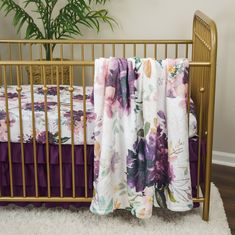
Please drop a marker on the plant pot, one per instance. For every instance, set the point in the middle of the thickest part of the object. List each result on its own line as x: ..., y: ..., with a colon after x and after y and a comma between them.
x: 50, y: 73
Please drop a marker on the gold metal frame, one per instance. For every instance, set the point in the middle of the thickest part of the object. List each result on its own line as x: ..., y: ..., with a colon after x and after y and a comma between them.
x: 203, y: 48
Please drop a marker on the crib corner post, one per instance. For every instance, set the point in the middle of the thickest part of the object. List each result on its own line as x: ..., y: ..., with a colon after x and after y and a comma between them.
x: 206, y: 203
x: 205, y: 213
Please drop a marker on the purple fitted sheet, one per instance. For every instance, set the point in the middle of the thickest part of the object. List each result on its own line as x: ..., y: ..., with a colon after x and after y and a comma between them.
x: 67, y: 171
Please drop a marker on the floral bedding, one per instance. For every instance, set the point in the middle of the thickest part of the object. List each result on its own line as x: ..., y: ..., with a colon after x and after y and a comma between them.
x: 52, y: 108
x: 53, y: 115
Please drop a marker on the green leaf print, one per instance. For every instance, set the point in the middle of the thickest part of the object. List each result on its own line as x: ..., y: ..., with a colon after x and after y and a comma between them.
x: 146, y: 128
x: 138, y: 63
x: 104, y: 173
x: 65, y: 139
x: 160, y: 197
x: 123, y: 192
x: 102, y: 201
x: 155, y: 122
x: 171, y: 195
x: 186, y: 171
x: 109, y: 208
x: 121, y: 186
x: 140, y: 133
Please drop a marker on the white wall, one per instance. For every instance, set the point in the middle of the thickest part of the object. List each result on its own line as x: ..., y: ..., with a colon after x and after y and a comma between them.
x: 153, y: 19
x: 7, y: 31
x: 158, y: 19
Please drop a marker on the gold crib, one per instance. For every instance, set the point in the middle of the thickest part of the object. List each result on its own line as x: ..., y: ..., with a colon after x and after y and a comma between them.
x: 77, y: 56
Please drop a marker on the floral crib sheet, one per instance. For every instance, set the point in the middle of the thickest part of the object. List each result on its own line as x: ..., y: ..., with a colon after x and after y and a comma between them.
x: 53, y: 115
x: 52, y: 108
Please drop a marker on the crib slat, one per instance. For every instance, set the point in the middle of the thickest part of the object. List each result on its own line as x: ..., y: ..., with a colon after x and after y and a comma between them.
x: 61, y: 59
x: 103, y: 50
x: 176, y: 50
x: 31, y: 51
x: 20, y: 58
x: 93, y: 58
x: 155, y: 51
x: 34, y: 133
x: 186, y: 51
x: 189, y: 92
x: 124, y: 50
x: 10, y: 67
x: 84, y: 124
x: 8, y: 132
x: 71, y: 89
x: 166, y: 50
x: 59, y: 132
x: 145, y: 50
x: 19, y: 90
x: 40, y: 52
x: 45, y: 90
x: 51, y: 59
x: 134, y: 49
x: 114, y: 50
x: 201, y: 91
x: 41, y: 70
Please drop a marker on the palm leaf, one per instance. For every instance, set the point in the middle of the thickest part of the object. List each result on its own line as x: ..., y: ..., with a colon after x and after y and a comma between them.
x: 66, y: 24
x: 79, y: 12
x: 20, y: 18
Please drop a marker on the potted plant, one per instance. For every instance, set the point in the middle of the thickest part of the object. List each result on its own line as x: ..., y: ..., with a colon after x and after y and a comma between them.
x: 66, y: 24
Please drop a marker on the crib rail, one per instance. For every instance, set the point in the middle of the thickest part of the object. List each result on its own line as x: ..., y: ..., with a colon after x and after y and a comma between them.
x: 62, y: 50
x: 17, y: 65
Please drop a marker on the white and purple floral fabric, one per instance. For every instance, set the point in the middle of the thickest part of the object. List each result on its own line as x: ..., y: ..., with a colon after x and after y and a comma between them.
x: 39, y: 108
x: 141, y: 136
x: 52, y: 108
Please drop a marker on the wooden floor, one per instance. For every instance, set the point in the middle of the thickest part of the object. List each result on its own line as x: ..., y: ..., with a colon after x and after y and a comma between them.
x: 224, y: 178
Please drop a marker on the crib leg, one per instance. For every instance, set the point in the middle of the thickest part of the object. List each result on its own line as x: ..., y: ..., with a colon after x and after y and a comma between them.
x: 206, y: 203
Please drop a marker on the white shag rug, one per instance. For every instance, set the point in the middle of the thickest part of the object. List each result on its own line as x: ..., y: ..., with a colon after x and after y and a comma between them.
x: 42, y: 221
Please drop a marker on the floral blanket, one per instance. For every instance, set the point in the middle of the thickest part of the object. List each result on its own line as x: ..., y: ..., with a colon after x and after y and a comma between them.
x: 52, y: 107
x: 141, y: 136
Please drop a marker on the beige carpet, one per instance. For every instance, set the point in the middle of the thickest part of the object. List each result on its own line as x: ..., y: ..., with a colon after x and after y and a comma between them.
x: 17, y: 221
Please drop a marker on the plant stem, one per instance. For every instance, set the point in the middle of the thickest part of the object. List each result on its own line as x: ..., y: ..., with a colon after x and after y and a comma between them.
x: 48, y: 51
x: 47, y: 30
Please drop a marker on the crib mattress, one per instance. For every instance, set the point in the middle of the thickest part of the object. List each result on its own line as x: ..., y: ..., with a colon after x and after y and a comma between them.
x: 52, y: 109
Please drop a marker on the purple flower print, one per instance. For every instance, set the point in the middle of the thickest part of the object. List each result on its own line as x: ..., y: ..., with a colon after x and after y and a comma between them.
x: 192, y: 108
x: 78, y: 115
x: 51, y: 90
x: 3, y: 115
x: 41, y: 137
x: 114, y: 161
x: 147, y: 163
x: 52, y: 138
x: 11, y: 95
x: 96, y: 168
x: 80, y: 97
x: 185, y: 76
x: 39, y: 106
x: 120, y: 84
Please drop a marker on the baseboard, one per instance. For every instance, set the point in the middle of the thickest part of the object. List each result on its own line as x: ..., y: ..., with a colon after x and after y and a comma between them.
x: 223, y: 158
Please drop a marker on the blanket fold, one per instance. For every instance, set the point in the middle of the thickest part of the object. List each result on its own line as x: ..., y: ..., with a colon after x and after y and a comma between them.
x: 141, y: 136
